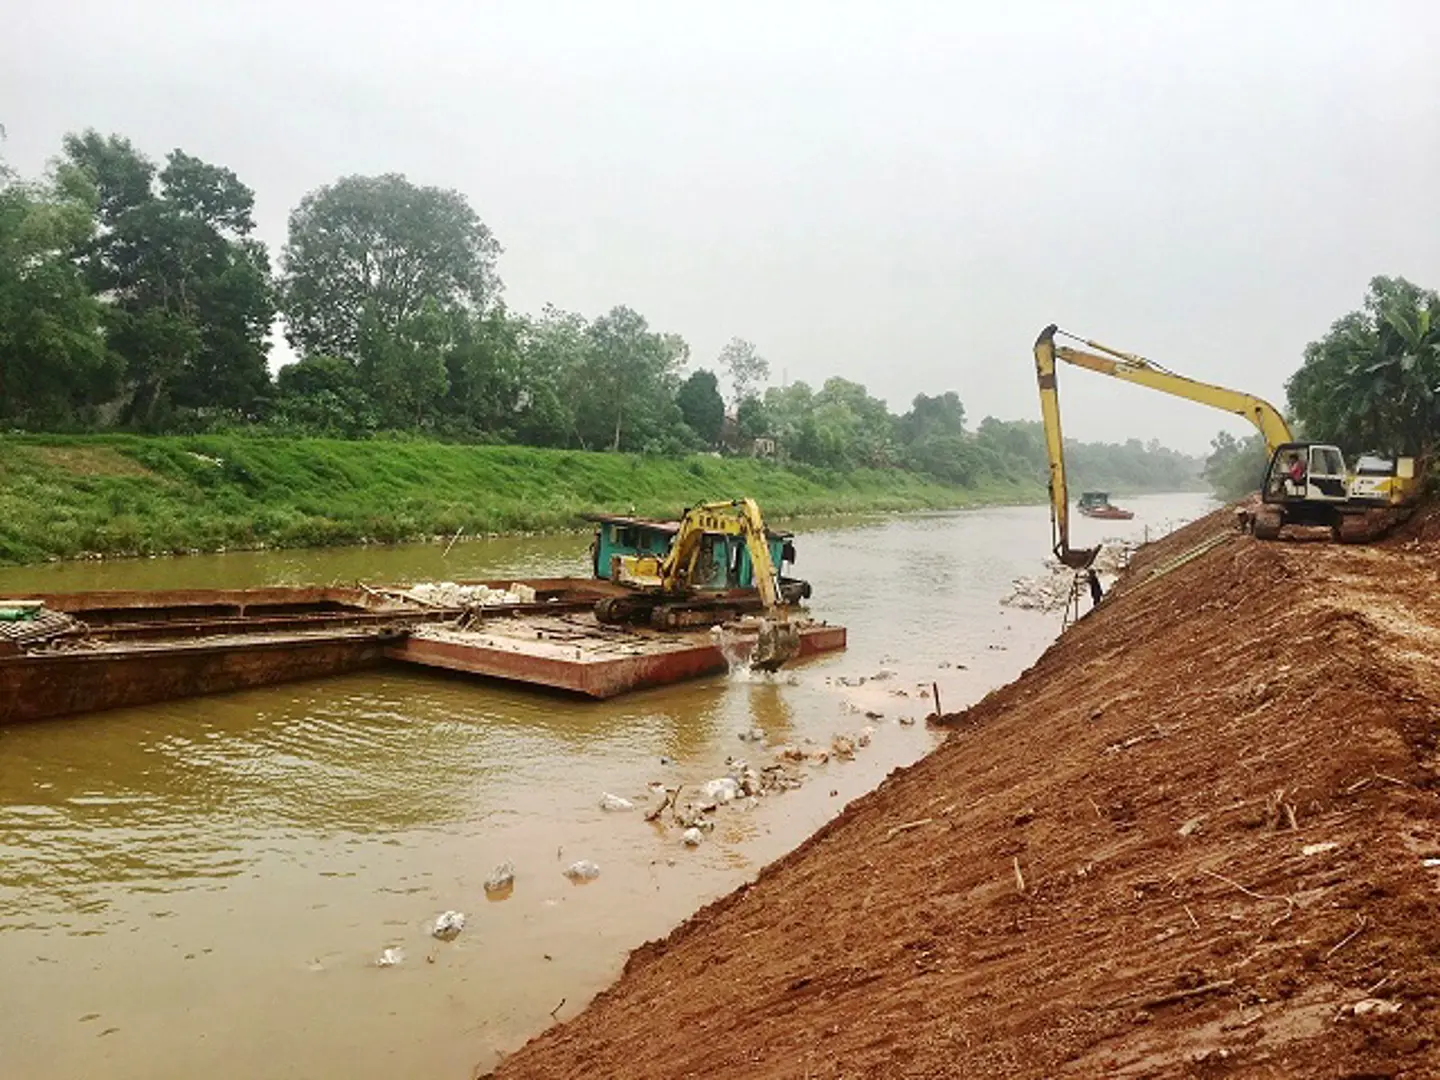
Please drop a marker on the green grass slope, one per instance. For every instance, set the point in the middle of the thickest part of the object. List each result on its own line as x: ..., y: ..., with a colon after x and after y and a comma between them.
x: 130, y: 495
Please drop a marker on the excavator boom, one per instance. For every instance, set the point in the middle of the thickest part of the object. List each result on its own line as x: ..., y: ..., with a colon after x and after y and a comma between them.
x: 1135, y: 369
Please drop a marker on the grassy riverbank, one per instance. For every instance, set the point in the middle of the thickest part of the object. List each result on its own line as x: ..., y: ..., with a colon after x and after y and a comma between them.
x: 63, y: 496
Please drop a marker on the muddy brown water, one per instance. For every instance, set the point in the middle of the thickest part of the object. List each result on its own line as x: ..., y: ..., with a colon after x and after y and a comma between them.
x: 203, y: 887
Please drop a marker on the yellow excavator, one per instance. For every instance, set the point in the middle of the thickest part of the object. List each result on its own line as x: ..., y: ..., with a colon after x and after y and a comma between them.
x: 1305, y: 484
x: 665, y: 595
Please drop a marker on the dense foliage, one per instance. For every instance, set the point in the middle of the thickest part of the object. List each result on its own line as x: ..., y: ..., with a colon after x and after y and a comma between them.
x: 1373, y: 382
x: 134, y: 297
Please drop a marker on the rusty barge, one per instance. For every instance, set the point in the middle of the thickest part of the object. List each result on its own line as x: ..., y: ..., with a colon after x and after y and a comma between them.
x: 69, y: 653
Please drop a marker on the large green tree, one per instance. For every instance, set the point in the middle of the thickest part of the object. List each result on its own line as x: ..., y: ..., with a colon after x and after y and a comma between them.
x: 53, y: 362
x: 367, y: 253
x: 1371, y: 382
x: 554, y: 349
x: 933, y: 433
x: 630, y: 375
x: 187, y: 287
x: 403, y: 367
x: 702, y: 406
x: 487, y: 374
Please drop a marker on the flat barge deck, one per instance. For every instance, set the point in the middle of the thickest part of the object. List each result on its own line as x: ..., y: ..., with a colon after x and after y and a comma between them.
x: 576, y: 653
x: 104, y: 650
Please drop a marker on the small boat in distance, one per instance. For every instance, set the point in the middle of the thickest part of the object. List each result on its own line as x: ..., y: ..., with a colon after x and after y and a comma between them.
x: 1096, y: 504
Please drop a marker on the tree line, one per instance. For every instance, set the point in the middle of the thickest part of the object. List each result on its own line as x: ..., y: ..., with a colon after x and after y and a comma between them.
x: 1371, y: 385
x: 134, y: 295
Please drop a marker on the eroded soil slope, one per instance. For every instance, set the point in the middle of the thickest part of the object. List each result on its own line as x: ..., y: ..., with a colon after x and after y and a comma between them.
x: 1191, y: 841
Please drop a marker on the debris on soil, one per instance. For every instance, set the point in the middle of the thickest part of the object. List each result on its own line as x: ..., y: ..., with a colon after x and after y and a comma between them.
x: 692, y: 837
x: 614, y: 803
x: 1121, y: 948
x: 1371, y: 1007
x: 448, y: 925
x: 582, y: 870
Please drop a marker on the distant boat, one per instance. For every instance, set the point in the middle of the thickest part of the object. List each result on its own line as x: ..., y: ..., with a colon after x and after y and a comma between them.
x: 1096, y: 504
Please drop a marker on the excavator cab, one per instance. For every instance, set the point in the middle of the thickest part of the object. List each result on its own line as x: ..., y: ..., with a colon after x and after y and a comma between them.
x: 1306, y: 484
x: 1306, y: 472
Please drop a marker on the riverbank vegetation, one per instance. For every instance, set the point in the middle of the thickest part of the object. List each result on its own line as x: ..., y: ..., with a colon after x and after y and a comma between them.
x: 68, y: 496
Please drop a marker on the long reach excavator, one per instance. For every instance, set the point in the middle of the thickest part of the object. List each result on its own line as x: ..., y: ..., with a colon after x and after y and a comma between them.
x: 1306, y: 482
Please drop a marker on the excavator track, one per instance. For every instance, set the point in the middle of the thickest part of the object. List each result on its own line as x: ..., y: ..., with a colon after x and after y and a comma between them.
x: 1268, y: 523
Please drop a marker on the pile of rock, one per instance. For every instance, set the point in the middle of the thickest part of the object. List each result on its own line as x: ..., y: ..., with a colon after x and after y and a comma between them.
x: 450, y: 595
x: 1052, y: 590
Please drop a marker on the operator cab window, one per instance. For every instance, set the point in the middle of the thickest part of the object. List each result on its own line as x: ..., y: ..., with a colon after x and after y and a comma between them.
x: 1326, y: 461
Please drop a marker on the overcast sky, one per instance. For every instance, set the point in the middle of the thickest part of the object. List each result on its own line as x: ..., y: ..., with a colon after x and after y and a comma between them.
x: 901, y: 193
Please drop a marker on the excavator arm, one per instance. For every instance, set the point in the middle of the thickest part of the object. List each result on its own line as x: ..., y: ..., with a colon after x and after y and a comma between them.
x: 739, y: 517
x: 1134, y: 369
x: 1055, y: 455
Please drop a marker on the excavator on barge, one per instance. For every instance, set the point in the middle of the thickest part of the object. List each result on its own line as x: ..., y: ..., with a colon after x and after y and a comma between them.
x: 665, y: 590
x: 1306, y: 483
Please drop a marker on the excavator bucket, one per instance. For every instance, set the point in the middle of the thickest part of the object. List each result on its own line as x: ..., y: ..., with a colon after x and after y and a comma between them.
x: 777, y: 643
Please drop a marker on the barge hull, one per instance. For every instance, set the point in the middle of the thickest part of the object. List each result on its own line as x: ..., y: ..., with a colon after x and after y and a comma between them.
x: 40, y: 687
x: 597, y: 676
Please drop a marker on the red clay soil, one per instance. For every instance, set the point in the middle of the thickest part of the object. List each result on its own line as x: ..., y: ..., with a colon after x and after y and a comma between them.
x: 1190, y: 841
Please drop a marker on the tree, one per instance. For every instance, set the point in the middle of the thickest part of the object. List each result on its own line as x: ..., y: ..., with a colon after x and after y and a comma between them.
x: 187, y: 289
x: 748, y: 370
x: 752, y: 419
x: 553, y: 357
x: 702, y: 406
x: 366, y: 253
x: 630, y: 376
x: 942, y: 414
x: 1236, y: 467
x: 403, y: 367
x: 322, y: 395
x: 487, y: 375
x: 53, y: 360
x: 857, y: 429
x: 933, y: 432
x: 1371, y: 382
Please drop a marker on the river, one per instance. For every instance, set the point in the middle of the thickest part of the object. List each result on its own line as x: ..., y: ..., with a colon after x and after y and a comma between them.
x: 202, y: 888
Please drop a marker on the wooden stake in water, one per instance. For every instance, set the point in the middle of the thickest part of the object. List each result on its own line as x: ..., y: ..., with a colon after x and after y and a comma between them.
x: 448, y: 546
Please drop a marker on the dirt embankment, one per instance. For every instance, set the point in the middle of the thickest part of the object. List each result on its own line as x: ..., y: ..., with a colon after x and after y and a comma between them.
x: 1191, y: 841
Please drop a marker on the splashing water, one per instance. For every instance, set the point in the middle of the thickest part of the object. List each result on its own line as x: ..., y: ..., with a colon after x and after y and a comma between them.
x: 736, y: 648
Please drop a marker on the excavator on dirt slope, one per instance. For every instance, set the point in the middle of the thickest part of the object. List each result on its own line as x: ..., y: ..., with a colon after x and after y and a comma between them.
x: 664, y: 593
x: 1306, y: 483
